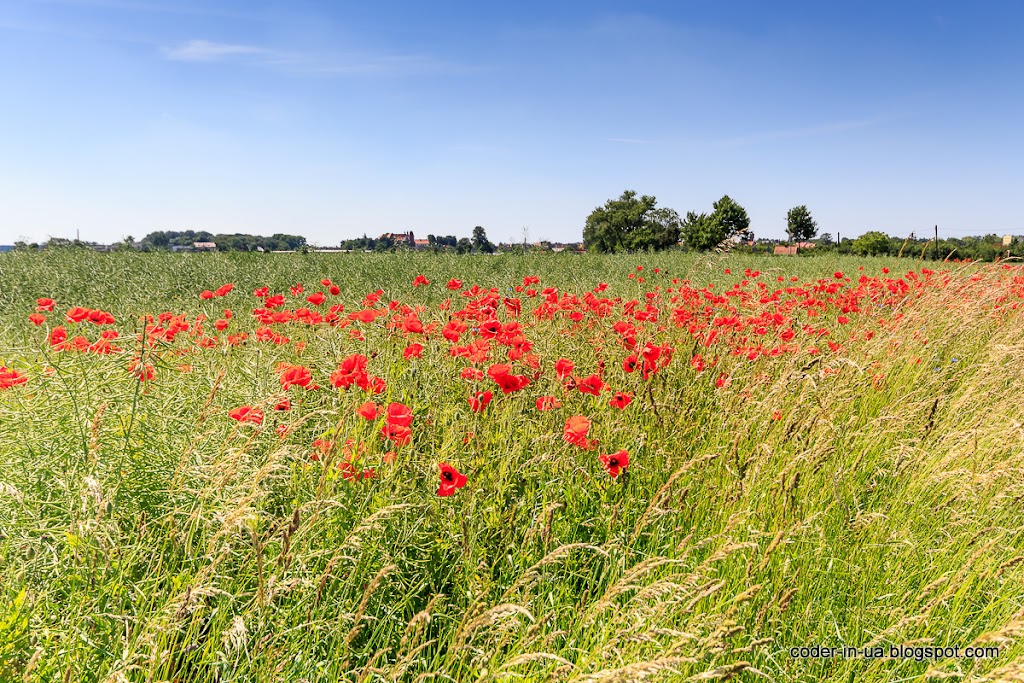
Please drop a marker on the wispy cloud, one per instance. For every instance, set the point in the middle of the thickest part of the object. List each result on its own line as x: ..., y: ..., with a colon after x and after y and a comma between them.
x: 310, y: 64
x: 789, y: 133
x: 207, y: 51
x: 630, y: 141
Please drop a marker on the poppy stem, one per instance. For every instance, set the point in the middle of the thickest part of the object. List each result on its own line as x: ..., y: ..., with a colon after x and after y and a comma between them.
x: 654, y: 406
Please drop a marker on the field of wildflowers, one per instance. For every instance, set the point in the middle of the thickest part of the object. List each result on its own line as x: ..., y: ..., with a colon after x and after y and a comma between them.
x: 414, y: 467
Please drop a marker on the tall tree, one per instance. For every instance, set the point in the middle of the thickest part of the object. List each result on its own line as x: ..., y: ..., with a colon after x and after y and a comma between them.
x: 701, y: 231
x: 480, y: 241
x: 727, y: 219
x: 732, y: 217
x: 800, y: 226
x: 629, y: 224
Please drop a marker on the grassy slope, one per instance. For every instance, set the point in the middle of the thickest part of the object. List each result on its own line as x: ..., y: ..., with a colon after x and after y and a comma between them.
x: 145, y: 536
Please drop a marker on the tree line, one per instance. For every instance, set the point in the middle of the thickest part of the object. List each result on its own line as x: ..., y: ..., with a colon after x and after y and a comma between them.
x: 632, y: 223
x: 626, y: 224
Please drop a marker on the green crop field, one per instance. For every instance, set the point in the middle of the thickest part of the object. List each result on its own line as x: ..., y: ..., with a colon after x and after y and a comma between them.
x: 541, y: 467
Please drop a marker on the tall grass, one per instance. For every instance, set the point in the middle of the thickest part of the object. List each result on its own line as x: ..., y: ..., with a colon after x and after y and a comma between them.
x: 870, y: 495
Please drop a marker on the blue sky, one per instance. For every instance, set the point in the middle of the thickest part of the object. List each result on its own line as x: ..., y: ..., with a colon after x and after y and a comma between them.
x: 335, y: 119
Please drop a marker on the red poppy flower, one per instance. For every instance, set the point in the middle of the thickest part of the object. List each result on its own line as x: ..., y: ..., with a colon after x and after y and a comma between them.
x: 286, y: 404
x: 620, y: 400
x: 224, y: 290
x: 454, y: 284
x: 206, y: 294
x: 451, y: 479
x: 10, y: 378
x: 351, y: 370
x: 507, y: 382
x: 511, y: 383
x: 322, y: 446
x: 58, y: 336
x: 297, y: 289
x: 396, y: 433
x: 334, y: 290
x: 375, y: 385
x: 629, y: 365
x: 592, y: 385
x: 548, y: 403
x: 479, y: 401
x: 316, y: 298
x: 294, y: 375
x: 697, y: 362
x: 247, y: 414
x: 399, y: 414
x: 44, y: 304
x: 420, y: 281
x: 221, y: 325
x: 615, y: 462
x: 564, y: 368
x: 77, y: 314
x: 350, y: 472
x: 367, y: 411
x: 413, y: 351
x: 472, y: 373
x: 37, y: 319
x: 575, y: 432
x: 722, y: 381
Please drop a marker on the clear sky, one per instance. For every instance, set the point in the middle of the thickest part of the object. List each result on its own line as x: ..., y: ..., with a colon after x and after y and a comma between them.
x: 333, y: 119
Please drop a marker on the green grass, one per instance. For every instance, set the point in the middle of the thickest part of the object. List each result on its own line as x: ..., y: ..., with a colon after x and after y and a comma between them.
x: 146, y: 536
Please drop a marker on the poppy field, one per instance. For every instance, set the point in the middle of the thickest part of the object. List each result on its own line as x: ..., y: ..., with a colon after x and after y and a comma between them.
x: 419, y: 467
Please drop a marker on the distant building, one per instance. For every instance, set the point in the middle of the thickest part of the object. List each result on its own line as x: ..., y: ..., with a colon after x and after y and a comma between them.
x: 1007, y: 240
x: 420, y: 244
x: 204, y: 246
x: 6, y: 247
x: 785, y: 251
x: 404, y: 238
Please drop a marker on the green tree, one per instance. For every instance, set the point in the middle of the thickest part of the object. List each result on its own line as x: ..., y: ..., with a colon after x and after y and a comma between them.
x: 800, y: 226
x: 701, y: 231
x: 872, y: 243
x: 732, y: 217
x: 630, y: 224
x: 727, y: 219
x: 660, y: 231
x: 480, y: 241
x: 463, y: 246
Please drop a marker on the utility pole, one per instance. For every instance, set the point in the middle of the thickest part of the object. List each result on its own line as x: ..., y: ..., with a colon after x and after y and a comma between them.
x: 936, y: 243
x: 839, y: 241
